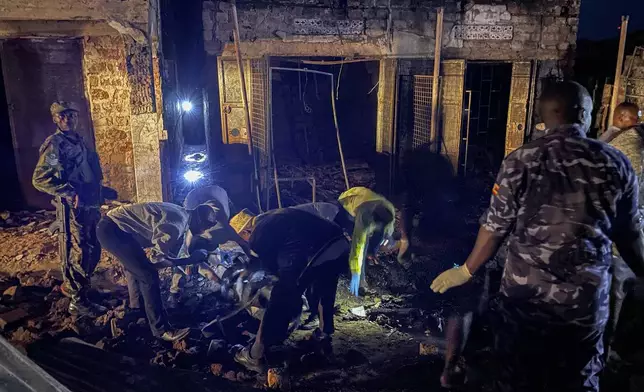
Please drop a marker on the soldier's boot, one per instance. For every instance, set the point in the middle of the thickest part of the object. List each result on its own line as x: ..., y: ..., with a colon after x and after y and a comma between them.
x: 82, y: 306
x: 175, y: 335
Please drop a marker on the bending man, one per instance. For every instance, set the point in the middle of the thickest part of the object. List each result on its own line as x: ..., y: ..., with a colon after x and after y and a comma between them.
x: 127, y: 230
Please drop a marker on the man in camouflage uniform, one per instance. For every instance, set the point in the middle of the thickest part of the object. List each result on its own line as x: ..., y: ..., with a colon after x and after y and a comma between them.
x: 624, y: 136
x: 71, y: 173
x: 561, y: 200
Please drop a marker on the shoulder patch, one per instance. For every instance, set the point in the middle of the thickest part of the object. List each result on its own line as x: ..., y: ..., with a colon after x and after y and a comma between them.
x: 51, y: 159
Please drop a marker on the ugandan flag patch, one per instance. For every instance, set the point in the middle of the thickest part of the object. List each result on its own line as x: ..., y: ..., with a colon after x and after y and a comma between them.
x: 495, y: 189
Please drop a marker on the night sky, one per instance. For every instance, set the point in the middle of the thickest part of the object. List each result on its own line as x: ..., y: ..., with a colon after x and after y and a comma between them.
x: 600, y: 19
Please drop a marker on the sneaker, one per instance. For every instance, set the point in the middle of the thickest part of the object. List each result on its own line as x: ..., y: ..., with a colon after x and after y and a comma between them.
x: 174, y: 335
x: 86, y: 308
x: 243, y: 358
x: 311, y: 323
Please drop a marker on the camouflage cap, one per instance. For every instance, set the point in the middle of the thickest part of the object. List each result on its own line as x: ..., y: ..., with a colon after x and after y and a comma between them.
x: 59, y: 107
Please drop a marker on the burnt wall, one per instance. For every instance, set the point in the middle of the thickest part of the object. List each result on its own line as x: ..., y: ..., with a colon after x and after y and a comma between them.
x: 108, y: 90
x: 496, y: 30
x: 135, y: 11
x: 120, y: 83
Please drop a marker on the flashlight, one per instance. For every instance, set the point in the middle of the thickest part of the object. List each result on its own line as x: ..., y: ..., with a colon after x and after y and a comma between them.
x: 186, y: 106
x: 193, y: 175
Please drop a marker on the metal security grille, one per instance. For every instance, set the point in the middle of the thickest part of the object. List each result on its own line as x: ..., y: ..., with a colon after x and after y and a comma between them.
x: 258, y: 115
x: 422, y: 111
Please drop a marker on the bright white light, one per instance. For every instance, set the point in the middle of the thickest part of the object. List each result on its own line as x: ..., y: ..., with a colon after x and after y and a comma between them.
x: 193, y: 175
x: 186, y: 106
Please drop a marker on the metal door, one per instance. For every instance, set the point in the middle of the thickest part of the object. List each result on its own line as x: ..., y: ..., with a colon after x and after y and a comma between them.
x: 518, y: 108
x: 451, y: 108
x: 233, y: 122
x: 37, y: 73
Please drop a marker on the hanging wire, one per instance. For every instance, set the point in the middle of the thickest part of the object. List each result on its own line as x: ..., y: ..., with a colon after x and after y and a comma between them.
x: 315, y: 78
x: 337, y: 90
x: 307, y: 108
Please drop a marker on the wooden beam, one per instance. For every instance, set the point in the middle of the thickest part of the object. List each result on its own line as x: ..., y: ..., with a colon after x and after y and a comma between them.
x: 618, y: 69
x: 435, y: 80
x: 51, y: 28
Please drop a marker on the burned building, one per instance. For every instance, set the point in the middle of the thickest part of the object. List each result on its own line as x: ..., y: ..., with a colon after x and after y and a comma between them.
x: 102, y: 55
x: 381, y: 55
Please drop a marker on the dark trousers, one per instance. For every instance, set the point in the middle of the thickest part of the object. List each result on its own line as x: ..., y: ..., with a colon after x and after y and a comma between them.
x: 621, y: 275
x: 142, y: 277
x: 532, y: 354
x: 286, y: 302
x: 80, y: 250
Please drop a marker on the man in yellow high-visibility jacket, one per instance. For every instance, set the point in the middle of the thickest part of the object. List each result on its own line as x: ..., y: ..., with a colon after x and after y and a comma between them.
x: 374, y: 225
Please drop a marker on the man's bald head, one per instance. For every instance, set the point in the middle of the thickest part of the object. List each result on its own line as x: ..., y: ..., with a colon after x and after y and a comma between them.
x: 626, y: 115
x: 565, y: 102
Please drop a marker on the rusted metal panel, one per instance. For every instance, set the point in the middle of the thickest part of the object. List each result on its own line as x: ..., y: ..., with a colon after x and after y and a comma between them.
x: 386, y: 96
x: 37, y: 73
x: 451, y: 108
x: 233, y: 122
x: 518, y: 107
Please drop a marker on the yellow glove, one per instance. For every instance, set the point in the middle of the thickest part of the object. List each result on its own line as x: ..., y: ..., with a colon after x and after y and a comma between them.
x: 453, y: 277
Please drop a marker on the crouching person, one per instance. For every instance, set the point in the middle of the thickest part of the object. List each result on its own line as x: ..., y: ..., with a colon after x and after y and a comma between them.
x: 127, y: 230
x: 303, y: 251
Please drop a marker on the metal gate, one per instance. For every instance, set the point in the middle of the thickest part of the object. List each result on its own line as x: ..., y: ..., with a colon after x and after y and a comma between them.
x: 421, y: 136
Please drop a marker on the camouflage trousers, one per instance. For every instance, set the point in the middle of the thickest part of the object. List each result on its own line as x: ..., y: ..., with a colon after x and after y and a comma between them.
x: 78, y: 245
x: 531, y: 354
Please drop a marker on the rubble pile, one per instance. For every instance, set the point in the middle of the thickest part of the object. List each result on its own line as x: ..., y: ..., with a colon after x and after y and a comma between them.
x: 329, y: 180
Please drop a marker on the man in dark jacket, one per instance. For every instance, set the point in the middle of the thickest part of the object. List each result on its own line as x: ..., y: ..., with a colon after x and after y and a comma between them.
x: 304, y: 251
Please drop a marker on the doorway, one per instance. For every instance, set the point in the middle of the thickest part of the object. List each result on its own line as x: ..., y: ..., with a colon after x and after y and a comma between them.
x: 37, y: 73
x: 302, y: 122
x: 486, y: 102
x: 11, y: 197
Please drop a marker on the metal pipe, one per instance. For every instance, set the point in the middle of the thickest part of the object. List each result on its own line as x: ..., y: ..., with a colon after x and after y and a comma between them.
x: 242, y: 79
x: 467, y: 129
x: 394, y: 138
x: 335, y: 117
x: 533, y: 88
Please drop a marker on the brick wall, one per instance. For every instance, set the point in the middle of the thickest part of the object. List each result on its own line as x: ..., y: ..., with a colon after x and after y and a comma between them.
x: 120, y: 87
x: 499, y: 30
x: 108, y: 90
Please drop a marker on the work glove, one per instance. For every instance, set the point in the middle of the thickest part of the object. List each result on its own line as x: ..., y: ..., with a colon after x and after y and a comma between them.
x: 453, y: 277
x: 355, y: 284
